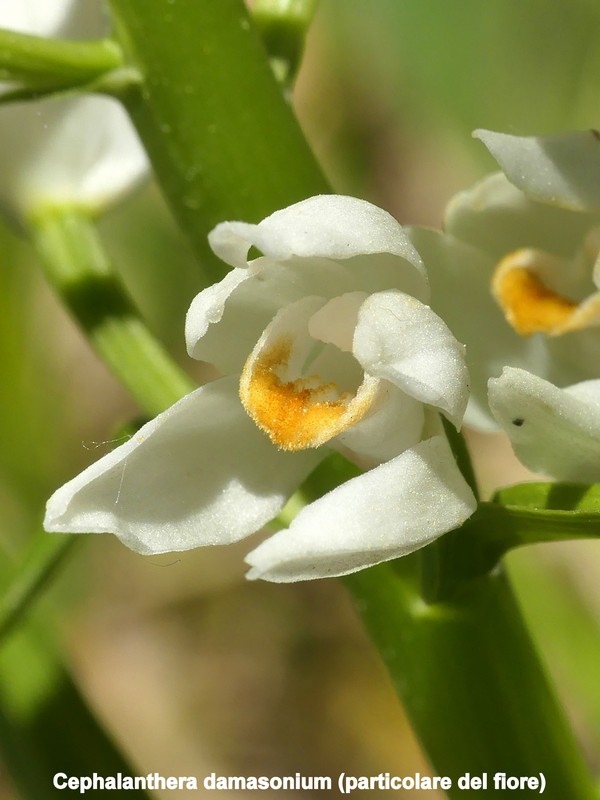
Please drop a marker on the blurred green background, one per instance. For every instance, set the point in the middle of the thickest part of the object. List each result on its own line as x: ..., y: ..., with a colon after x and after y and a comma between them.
x: 190, y: 668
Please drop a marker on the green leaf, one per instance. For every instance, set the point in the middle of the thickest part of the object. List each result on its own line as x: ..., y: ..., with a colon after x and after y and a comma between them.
x: 574, y: 497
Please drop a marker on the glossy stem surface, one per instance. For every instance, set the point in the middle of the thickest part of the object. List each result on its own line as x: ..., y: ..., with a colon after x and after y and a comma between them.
x: 471, y: 683
x: 221, y: 137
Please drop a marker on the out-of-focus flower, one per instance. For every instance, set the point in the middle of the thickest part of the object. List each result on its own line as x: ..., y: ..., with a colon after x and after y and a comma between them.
x: 515, y: 273
x: 324, y: 344
x: 36, y: 17
x: 553, y: 431
x: 70, y: 150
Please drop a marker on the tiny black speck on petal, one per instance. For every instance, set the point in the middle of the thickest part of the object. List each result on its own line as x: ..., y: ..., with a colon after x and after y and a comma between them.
x: 518, y: 421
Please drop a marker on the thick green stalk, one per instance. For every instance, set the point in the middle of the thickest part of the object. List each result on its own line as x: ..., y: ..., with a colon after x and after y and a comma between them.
x: 471, y: 682
x: 78, y: 268
x: 220, y: 135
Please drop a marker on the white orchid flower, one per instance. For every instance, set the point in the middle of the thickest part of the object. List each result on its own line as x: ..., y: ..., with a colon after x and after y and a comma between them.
x: 553, y: 431
x: 70, y: 150
x: 515, y: 273
x: 324, y: 345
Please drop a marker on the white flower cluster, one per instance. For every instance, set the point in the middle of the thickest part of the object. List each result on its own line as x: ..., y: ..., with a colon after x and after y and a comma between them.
x: 325, y: 342
x: 516, y: 275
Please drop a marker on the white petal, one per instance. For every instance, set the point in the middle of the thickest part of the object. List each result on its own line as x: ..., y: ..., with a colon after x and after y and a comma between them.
x: 335, y: 322
x: 553, y: 431
x: 200, y: 473
x: 81, y: 151
x: 208, y: 307
x: 586, y: 391
x: 402, y: 340
x: 563, y: 170
x: 366, y: 238
x: 325, y: 226
x: 386, y: 513
x: 231, y: 241
x: 227, y: 318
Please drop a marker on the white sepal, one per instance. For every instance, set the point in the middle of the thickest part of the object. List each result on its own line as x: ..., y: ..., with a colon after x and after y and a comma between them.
x: 553, y: 431
x: 386, y: 513
x: 200, y: 473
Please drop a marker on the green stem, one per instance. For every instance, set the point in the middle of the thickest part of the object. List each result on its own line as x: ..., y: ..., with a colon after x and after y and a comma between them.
x: 79, y: 270
x: 444, y: 564
x: 46, y: 556
x: 471, y: 682
x: 220, y: 135
x: 45, y: 62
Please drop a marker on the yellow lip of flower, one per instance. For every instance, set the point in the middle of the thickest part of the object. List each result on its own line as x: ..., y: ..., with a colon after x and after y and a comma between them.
x: 530, y: 306
x: 301, y: 413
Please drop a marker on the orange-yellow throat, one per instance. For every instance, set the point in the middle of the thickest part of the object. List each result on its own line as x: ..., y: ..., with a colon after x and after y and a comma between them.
x: 300, y: 413
x: 530, y: 306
